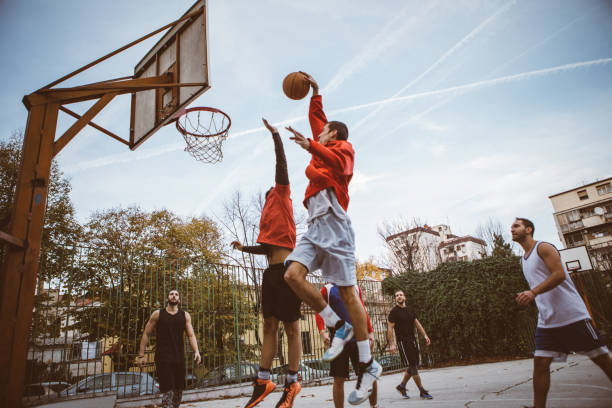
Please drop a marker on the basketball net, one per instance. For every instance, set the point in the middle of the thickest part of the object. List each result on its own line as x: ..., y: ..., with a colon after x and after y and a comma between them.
x: 204, y: 130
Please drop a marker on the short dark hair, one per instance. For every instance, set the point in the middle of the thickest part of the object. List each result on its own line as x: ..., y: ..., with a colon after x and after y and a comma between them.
x: 527, y: 223
x: 399, y: 290
x: 340, y: 128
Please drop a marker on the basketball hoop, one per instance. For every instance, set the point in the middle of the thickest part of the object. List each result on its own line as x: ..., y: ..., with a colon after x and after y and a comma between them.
x: 204, y: 130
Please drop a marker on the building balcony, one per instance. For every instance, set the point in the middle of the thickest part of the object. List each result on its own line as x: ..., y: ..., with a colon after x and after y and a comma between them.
x: 601, y: 245
x: 607, y: 240
x: 574, y: 226
x: 593, y: 220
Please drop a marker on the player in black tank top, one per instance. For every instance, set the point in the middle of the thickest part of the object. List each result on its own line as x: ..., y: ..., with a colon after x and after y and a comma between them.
x: 170, y: 324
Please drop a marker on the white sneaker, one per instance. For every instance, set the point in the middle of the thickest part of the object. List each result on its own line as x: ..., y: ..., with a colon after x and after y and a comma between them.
x: 365, y: 382
x: 341, y: 337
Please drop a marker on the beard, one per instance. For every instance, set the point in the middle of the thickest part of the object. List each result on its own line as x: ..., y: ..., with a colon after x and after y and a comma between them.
x: 173, y: 303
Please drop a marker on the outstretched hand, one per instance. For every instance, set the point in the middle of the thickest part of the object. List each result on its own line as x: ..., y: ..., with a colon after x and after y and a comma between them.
x: 299, y: 138
x: 237, y: 245
x: 313, y: 83
x: 271, y: 128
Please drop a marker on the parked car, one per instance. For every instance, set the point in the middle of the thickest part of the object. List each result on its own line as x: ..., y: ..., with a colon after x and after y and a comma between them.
x: 305, y: 373
x: 126, y: 384
x: 228, y: 374
x: 390, y: 362
x: 43, y: 391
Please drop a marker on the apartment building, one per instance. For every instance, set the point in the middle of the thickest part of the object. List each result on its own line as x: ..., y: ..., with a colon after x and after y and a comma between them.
x: 430, y: 246
x: 583, y: 216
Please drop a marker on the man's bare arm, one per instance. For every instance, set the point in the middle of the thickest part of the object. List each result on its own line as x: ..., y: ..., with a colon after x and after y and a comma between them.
x: 144, y: 340
x: 552, y: 260
x: 193, y: 342
x: 390, y: 338
x: 422, y: 331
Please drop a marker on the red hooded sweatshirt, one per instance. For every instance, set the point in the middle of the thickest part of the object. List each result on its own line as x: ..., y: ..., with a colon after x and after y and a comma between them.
x: 331, y: 164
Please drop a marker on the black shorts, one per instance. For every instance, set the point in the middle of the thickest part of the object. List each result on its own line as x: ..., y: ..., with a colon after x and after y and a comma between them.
x: 580, y: 337
x: 409, y: 353
x: 278, y: 300
x: 171, y: 376
x: 339, y: 367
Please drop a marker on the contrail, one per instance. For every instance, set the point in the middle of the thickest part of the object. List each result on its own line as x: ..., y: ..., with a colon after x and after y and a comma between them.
x: 476, y: 85
x: 383, y: 40
x: 460, y: 89
x: 447, y: 54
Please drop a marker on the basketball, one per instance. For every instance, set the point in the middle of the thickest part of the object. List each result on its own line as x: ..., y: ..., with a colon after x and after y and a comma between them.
x: 296, y: 86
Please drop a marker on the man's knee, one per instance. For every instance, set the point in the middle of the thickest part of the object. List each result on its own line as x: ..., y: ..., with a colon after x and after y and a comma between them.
x: 292, y: 329
x: 295, y: 273
x: 541, y: 365
x: 347, y: 293
x: 270, y: 325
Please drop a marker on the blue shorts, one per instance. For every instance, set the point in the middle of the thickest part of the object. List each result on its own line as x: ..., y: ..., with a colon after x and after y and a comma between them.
x: 580, y: 337
x: 329, y: 245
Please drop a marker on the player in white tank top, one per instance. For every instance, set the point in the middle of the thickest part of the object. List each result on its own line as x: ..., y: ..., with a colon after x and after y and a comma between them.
x: 564, y: 323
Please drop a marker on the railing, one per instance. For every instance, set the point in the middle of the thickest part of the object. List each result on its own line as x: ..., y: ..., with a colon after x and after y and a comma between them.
x: 92, y: 306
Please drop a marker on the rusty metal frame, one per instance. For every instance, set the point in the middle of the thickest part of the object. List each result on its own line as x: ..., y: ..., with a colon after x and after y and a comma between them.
x: 18, y: 273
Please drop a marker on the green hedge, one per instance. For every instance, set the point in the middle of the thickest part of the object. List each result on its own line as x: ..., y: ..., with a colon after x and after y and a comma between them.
x: 468, y: 309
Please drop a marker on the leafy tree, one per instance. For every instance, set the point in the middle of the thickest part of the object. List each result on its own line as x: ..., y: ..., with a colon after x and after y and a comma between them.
x: 61, y: 231
x: 501, y: 248
x: 495, y: 235
x: 135, y: 257
x: 368, y: 268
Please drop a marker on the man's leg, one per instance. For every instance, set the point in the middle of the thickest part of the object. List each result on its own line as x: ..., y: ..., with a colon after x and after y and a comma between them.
x: 296, y: 279
x: 605, y: 363
x: 270, y: 342
x: 424, y: 393
x: 177, y: 396
x: 374, y: 395
x: 356, y: 312
x: 167, y: 399
x: 263, y: 386
x: 338, y: 392
x: 294, y: 341
x: 541, y: 380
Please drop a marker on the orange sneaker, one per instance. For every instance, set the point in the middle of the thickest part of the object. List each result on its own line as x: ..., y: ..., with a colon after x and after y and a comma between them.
x: 289, y: 394
x: 261, y: 388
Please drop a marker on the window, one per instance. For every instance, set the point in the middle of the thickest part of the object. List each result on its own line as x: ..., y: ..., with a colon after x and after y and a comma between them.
x: 127, y: 379
x: 75, y: 352
x: 306, y: 344
x: 582, y: 194
x: 573, y: 215
x: 574, y: 239
x: 604, y: 189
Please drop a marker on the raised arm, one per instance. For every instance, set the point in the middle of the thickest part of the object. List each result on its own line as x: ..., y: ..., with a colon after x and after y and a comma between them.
x: 552, y: 260
x: 193, y: 342
x: 144, y: 340
x: 316, y: 115
x: 282, y: 175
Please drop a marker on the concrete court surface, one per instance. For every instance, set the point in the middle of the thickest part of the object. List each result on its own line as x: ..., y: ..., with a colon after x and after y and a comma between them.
x: 578, y: 383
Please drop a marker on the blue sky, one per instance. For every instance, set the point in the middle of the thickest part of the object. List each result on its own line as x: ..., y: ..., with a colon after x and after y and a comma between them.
x: 458, y: 111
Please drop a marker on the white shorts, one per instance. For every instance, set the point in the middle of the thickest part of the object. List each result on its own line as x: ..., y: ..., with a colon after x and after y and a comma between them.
x: 329, y: 245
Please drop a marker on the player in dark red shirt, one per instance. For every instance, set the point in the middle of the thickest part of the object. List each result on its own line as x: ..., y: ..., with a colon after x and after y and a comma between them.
x: 276, y: 240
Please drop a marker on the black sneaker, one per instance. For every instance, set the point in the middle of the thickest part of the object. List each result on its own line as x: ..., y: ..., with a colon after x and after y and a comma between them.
x: 402, y: 390
x: 425, y: 394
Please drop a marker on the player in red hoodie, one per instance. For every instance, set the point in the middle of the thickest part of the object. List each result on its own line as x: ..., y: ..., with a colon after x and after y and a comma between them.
x: 329, y: 243
x: 279, y: 303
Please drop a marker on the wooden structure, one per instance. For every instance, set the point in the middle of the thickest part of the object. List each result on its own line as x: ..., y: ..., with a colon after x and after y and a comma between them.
x: 18, y: 273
